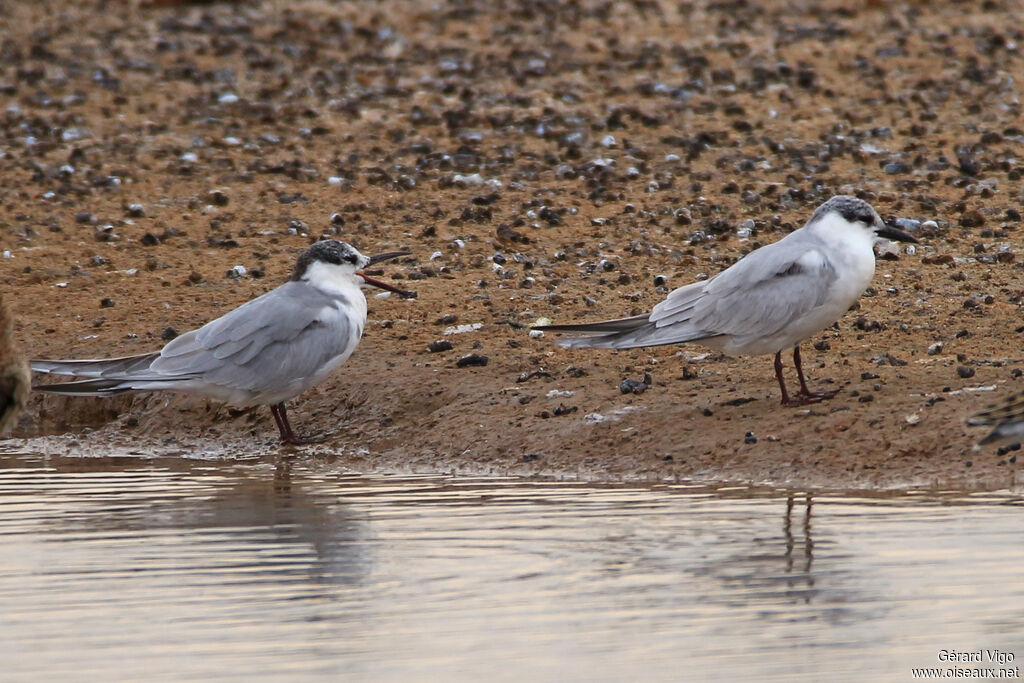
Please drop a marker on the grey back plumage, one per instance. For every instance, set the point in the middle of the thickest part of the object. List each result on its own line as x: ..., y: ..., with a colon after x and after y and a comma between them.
x: 285, y: 335
x: 759, y: 295
x: 272, y: 345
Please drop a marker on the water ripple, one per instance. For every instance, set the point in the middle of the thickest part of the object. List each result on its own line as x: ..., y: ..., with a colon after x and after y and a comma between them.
x: 122, y: 568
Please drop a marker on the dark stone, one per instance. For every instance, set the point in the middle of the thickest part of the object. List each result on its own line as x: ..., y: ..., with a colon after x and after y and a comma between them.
x: 972, y: 219
x: 472, y: 359
x: 896, y: 168
x: 635, y: 386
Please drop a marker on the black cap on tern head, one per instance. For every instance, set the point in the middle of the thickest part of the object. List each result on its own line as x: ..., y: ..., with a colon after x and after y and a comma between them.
x: 859, y: 211
x: 328, y: 251
x: 850, y: 208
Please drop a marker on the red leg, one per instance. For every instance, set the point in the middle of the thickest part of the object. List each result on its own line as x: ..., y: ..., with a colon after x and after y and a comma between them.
x: 287, y: 435
x: 806, y: 395
x: 282, y: 422
x: 778, y: 376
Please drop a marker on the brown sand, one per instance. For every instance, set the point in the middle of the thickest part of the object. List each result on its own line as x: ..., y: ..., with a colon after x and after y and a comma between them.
x: 225, y: 122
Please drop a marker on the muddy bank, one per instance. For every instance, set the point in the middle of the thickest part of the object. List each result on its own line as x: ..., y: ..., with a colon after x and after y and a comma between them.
x: 566, y: 161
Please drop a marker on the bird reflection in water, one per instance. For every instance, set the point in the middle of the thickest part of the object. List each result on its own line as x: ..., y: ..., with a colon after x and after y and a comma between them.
x: 791, y: 543
x: 238, y: 520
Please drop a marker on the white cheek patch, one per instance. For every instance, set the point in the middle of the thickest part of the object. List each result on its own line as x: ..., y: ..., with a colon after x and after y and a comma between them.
x: 331, y: 277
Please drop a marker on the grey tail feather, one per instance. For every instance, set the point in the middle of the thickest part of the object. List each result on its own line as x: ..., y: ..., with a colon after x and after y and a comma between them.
x: 617, y: 325
x: 111, y: 386
x: 631, y: 339
x: 623, y: 333
x: 86, y: 387
x: 96, y: 368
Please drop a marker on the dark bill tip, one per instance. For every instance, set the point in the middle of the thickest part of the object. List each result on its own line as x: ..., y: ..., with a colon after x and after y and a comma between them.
x: 891, y: 232
x: 388, y: 256
x: 404, y: 293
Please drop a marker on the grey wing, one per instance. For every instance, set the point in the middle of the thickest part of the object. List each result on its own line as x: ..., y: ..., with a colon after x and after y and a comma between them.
x: 758, y: 296
x: 280, y: 338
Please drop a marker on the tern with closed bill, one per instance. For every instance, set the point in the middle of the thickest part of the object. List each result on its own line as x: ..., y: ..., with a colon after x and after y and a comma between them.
x: 264, y: 352
x: 767, y: 302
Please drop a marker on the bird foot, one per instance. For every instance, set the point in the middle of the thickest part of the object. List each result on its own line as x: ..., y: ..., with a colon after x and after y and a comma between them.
x: 808, y: 397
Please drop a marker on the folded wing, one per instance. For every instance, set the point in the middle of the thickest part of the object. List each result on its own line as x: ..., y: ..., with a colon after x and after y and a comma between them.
x: 269, y: 343
x: 758, y: 296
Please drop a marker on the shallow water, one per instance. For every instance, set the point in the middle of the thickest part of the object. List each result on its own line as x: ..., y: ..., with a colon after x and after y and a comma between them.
x: 128, y: 568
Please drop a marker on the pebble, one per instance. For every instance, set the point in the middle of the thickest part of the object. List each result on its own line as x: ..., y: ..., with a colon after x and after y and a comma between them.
x: 972, y: 219
x: 471, y: 360
x: 635, y: 386
x: 106, y: 234
x: 745, y: 229
x: 462, y: 329
x: 908, y: 224
x: 896, y: 168
x: 440, y: 345
x: 217, y: 197
x: 964, y: 371
x: 236, y: 272
x: 168, y: 334
x: 559, y: 393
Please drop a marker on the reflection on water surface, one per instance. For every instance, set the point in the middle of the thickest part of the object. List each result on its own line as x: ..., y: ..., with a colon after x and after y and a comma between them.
x: 119, y: 568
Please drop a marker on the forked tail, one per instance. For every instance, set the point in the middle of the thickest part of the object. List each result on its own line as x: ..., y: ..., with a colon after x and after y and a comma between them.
x: 106, y: 376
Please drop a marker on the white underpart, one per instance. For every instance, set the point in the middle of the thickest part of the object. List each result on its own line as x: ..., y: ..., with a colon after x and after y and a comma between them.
x: 340, y: 281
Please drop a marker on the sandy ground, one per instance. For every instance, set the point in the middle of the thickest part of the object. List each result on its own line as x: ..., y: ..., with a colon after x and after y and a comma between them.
x: 540, y: 160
